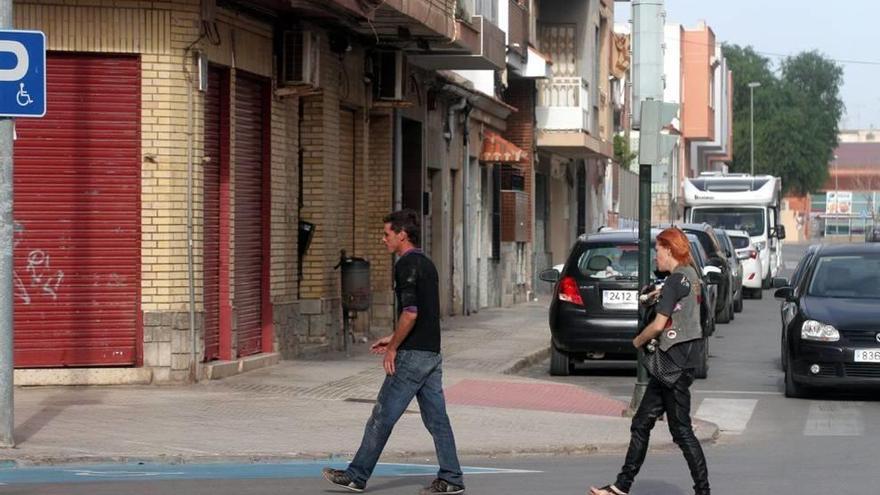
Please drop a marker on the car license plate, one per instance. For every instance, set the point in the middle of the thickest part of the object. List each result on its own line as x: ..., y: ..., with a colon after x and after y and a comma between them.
x: 620, y: 299
x: 867, y: 356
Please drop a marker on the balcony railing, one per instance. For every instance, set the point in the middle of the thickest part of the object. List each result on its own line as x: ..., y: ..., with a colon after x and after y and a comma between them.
x: 564, y: 104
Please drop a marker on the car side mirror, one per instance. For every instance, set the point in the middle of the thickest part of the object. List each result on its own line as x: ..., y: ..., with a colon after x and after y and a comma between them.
x: 780, y: 282
x: 716, y: 262
x: 784, y: 293
x: 780, y: 232
x: 550, y: 275
x: 712, y: 274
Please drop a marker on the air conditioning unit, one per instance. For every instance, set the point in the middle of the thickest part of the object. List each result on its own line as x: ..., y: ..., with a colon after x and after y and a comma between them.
x: 300, y: 58
x: 388, y: 74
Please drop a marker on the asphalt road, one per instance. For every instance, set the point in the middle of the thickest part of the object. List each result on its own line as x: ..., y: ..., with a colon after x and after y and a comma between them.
x: 769, y: 444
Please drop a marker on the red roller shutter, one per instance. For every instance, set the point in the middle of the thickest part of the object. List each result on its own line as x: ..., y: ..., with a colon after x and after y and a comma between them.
x: 249, y: 211
x: 214, y: 139
x: 77, y: 213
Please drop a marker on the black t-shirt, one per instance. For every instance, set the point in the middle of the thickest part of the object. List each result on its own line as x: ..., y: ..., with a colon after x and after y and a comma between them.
x: 416, y: 285
x: 686, y: 354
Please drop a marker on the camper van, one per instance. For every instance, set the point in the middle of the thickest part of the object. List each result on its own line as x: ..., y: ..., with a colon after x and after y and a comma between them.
x: 740, y: 202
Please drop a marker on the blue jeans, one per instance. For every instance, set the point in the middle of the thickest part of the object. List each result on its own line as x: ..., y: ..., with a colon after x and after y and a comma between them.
x: 417, y: 374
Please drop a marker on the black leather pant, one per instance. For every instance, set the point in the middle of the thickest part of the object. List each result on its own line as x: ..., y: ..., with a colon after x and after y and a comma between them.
x: 676, y: 403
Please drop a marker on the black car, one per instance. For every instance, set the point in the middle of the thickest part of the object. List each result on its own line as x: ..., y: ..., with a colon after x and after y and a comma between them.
x: 709, y: 239
x: 594, y: 307
x: 831, y: 334
x: 736, y: 268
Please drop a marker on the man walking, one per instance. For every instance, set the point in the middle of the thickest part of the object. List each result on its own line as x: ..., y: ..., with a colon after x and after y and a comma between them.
x: 412, y: 365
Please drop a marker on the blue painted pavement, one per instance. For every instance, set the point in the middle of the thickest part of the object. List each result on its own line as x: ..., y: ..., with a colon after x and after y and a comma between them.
x: 93, y: 473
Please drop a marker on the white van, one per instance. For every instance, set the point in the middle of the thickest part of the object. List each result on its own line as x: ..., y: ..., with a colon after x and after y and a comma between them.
x: 740, y: 202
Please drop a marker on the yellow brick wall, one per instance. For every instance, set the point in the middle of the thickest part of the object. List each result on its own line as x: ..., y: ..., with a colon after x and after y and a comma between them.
x: 378, y: 199
x: 161, y: 32
x: 321, y: 179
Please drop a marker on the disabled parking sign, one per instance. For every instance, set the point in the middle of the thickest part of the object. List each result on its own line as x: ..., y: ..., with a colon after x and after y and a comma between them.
x: 22, y: 73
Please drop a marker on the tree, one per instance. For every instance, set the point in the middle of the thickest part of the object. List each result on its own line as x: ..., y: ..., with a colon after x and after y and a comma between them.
x: 797, y: 111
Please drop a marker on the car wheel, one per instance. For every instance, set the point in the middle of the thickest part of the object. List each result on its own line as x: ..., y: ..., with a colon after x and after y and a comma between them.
x: 738, y: 304
x: 765, y: 283
x: 725, y: 315
x: 560, y: 363
x: 783, y: 355
x: 758, y: 294
x: 702, y: 370
x: 793, y: 389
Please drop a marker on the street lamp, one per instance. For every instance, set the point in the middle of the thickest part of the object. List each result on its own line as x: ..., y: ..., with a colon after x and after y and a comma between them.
x: 752, y: 86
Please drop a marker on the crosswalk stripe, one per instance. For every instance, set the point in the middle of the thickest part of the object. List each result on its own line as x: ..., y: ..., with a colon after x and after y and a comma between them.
x: 835, y: 419
x: 731, y: 415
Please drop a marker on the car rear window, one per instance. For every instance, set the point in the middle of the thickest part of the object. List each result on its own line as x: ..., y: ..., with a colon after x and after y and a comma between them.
x: 850, y: 276
x: 739, y: 242
x: 611, y: 261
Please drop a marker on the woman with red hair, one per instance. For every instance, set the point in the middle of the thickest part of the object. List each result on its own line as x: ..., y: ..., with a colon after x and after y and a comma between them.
x: 676, y: 338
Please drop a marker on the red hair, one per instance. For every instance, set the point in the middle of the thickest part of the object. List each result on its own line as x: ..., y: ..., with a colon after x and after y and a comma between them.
x: 678, y: 244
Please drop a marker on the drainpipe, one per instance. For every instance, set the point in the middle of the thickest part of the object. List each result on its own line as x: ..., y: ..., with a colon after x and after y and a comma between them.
x: 194, y: 363
x: 398, y: 160
x: 462, y: 106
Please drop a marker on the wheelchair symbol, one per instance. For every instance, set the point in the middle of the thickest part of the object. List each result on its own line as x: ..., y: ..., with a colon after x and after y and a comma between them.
x: 22, y: 97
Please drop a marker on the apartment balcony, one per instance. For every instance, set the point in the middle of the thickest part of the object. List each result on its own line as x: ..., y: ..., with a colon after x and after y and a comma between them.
x: 566, y: 123
x: 480, y: 45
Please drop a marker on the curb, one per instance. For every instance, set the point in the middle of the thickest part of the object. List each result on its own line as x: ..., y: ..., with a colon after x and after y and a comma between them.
x: 530, y: 359
x: 707, y: 434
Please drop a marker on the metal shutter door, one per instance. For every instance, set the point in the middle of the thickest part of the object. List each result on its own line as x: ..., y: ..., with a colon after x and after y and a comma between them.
x: 77, y: 212
x: 248, y: 164
x: 211, y: 212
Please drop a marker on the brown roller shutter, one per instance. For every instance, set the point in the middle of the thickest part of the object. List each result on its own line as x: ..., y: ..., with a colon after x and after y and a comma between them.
x: 249, y: 204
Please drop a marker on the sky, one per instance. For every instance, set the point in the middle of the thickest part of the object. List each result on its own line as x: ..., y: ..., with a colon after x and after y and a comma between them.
x: 846, y: 30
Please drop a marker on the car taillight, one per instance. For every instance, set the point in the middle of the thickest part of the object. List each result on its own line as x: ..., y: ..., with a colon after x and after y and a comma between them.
x: 753, y: 254
x: 568, y: 291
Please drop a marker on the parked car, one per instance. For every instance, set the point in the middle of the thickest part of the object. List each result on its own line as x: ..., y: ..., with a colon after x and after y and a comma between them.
x: 716, y: 257
x: 830, y: 335
x: 750, y: 260
x: 789, y: 307
x: 736, y: 269
x: 594, y: 308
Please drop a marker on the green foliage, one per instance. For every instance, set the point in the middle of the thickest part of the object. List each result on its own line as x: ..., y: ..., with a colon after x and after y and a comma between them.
x: 623, y: 155
x: 797, y: 111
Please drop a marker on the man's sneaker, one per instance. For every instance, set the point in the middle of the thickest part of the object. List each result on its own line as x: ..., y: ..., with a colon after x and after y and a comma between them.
x: 339, y: 478
x: 439, y: 486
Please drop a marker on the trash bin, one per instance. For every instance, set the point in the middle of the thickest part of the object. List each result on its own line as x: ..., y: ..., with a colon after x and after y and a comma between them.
x: 356, y: 295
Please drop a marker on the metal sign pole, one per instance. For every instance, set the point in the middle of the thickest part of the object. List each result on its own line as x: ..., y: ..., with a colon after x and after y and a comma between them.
x: 7, y: 232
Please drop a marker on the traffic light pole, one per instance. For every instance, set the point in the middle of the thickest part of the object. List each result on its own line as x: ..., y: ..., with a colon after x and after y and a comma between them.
x: 644, y: 271
x: 7, y: 231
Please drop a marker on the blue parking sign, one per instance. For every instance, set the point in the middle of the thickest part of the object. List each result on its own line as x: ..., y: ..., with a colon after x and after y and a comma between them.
x: 22, y: 73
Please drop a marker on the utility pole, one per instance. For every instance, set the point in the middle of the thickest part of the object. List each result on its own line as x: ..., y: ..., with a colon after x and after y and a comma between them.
x: 7, y: 232
x: 653, y: 147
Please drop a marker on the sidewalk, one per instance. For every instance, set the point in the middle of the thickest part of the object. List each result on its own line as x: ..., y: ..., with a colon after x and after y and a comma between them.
x: 317, y: 408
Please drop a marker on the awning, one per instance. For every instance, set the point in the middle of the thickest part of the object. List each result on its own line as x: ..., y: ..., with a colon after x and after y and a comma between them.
x: 496, y: 149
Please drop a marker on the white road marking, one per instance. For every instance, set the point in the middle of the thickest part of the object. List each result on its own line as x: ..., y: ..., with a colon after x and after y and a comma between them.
x: 734, y: 392
x: 731, y: 415
x: 835, y: 419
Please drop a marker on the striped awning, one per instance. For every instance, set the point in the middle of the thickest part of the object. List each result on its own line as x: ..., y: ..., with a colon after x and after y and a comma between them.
x: 496, y: 149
